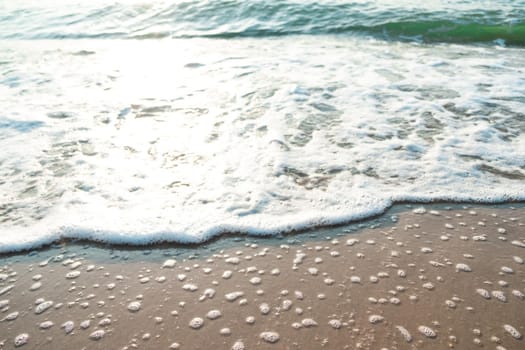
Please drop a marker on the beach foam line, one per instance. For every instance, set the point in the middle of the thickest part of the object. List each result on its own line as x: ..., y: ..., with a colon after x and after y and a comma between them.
x: 20, y: 239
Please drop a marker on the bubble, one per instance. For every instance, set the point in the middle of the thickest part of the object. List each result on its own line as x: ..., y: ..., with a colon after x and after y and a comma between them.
x: 134, y: 306
x: 21, y: 339
x: 196, y: 323
x: 427, y: 331
x: 213, y: 314
x: 97, y: 335
x: 270, y: 337
x: 374, y: 319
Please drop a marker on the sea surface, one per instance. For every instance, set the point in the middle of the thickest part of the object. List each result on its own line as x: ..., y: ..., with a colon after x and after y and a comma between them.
x: 135, y: 122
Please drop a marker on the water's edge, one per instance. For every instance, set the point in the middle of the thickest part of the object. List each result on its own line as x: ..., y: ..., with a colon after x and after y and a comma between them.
x: 231, y: 239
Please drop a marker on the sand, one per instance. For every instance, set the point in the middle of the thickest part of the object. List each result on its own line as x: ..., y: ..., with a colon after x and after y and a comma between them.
x: 419, y: 277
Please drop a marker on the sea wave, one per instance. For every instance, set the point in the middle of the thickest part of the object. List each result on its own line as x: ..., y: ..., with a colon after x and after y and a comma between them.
x: 462, y: 22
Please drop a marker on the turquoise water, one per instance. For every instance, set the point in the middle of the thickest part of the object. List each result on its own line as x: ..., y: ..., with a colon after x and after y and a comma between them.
x: 135, y: 122
x: 429, y: 21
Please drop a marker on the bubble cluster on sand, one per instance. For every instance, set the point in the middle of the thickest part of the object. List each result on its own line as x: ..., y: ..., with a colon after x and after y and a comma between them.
x: 270, y: 337
x: 483, y: 292
x: 427, y: 331
x: 97, y: 335
x: 507, y: 269
x: 451, y: 304
x: 428, y: 285
x: 170, y: 263
x: 264, y: 308
x: 233, y: 260
x: 213, y: 314
x: 11, y: 317
x: 196, y: 323
x: 134, y: 306
x: 335, y: 324
x: 394, y: 301
x: 329, y: 281
x: 73, y: 274
x: 499, y: 295
x: 518, y: 294
x: 21, y: 339
x: 286, y: 304
x: 463, y: 267
x: 374, y: 319
x: 404, y: 333
x: 68, y: 326
x: 419, y: 210
x: 190, y: 287
x: 255, y: 280
x: 352, y: 241
x: 43, y: 306
x: 6, y: 289
x: 238, y: 345
x: 234, y: 295
x: 104, y: 322
x: 35, y: 286
x: 512, y: 331
x: 308, y: 322
x: 313, y: 271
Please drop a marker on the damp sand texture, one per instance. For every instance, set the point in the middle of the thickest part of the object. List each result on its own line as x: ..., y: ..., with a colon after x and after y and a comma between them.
x: 434, y: 279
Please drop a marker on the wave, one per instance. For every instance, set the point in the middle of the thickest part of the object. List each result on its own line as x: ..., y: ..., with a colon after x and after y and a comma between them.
x: 422, y: 31
x: 447, y: 23
x: 20, y: 240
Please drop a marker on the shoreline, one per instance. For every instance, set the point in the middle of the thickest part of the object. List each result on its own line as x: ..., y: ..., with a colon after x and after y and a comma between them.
x: 373, y: 284
x: 396, y: 207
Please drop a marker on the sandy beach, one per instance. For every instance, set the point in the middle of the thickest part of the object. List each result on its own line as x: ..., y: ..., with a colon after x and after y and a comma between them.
x: 418, y: 277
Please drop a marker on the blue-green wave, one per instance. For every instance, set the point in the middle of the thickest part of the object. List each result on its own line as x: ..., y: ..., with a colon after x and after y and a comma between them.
x: 450, y: 22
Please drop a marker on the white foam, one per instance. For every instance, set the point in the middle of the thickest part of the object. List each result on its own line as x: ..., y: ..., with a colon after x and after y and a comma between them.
x: 178, y: 154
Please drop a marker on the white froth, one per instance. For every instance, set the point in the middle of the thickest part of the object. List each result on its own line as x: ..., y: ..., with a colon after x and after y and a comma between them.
x: 179, y: 154
x: 196, y: 323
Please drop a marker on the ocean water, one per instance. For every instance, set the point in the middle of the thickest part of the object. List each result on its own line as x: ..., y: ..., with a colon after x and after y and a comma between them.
x: 145, y: 121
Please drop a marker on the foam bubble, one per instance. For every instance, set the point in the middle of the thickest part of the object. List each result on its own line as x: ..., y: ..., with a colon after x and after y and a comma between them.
x: 68, y: 326
x: 134, y: 306
x: 427, y: 331
x: 21, y: 339
x: 374, y: 319
x: 405, y: 333
x: 196, y: 323
x: 43, y: 306
x: 512, y: 331
x: 270, y: 337
x: 97, y: 335
x: 214, y: 314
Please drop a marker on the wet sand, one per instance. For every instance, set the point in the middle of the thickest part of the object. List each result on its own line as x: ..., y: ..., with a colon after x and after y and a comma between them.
x: 419, y: 277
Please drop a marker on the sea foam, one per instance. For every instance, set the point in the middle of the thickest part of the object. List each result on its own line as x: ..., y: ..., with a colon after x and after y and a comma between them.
x: 258, y: 138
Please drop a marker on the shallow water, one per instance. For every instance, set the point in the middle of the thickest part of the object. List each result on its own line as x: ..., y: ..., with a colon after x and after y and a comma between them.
x: 253, y: 117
